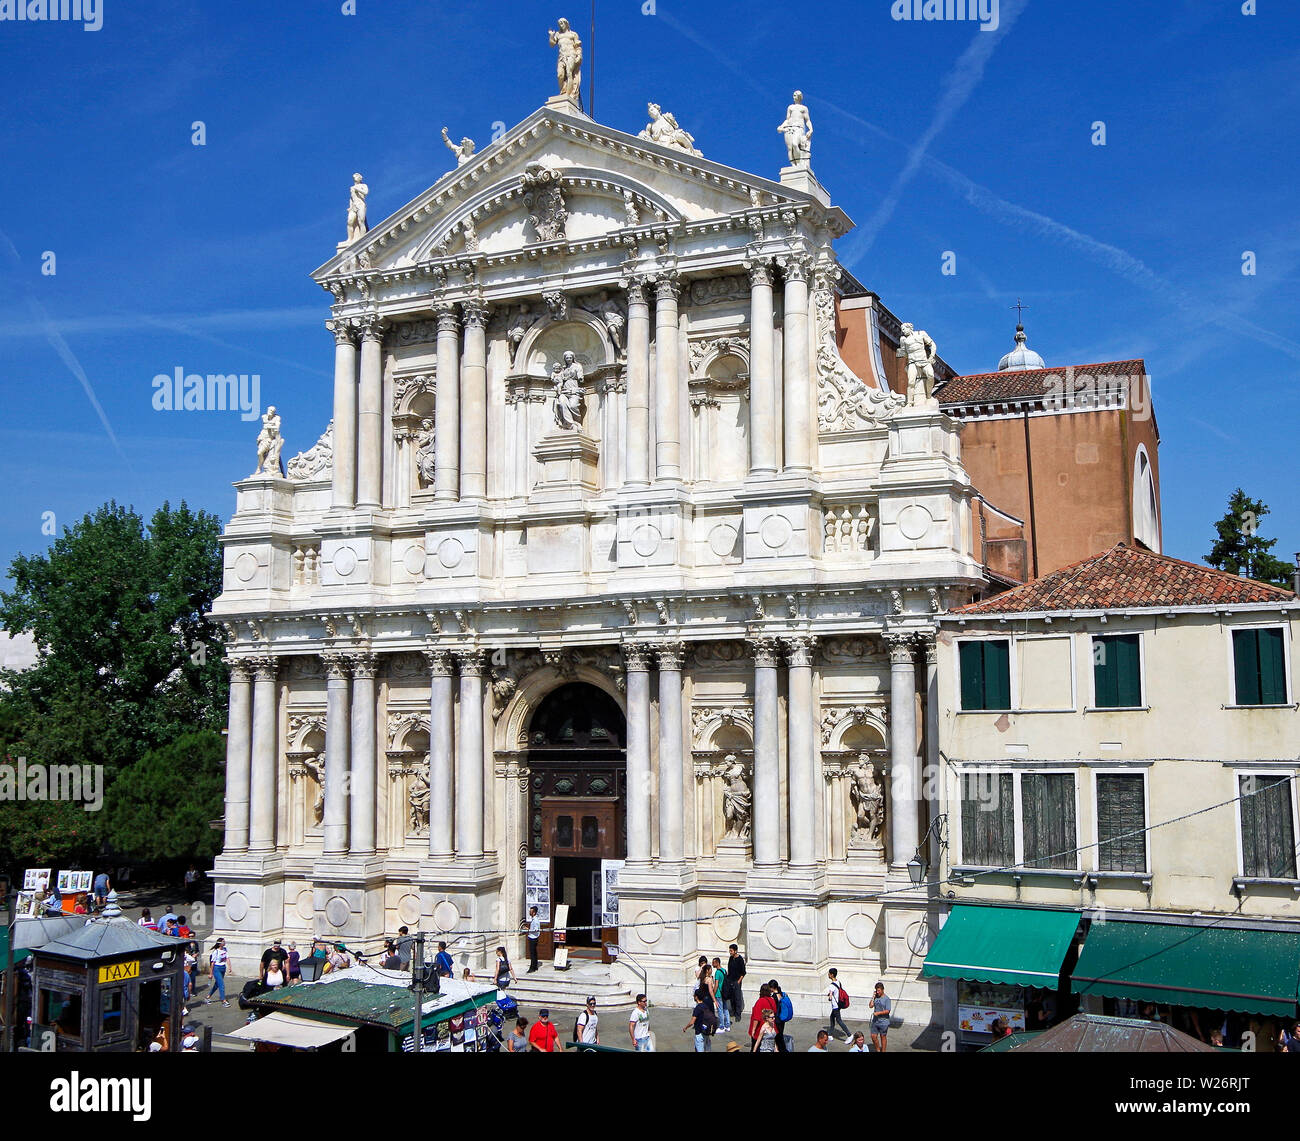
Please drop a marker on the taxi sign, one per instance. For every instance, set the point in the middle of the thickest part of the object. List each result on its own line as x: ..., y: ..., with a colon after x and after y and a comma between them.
x: 119, y: 972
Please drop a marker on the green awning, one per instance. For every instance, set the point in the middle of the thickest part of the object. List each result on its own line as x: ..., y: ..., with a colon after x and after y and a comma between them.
x: 1015, y: 946
x: 20, y: 953
x: 1252, y: 972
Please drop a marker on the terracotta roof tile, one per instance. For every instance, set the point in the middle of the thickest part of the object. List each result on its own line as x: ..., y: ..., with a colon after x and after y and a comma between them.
x: 1127, y: 577
x: 1028, y: 384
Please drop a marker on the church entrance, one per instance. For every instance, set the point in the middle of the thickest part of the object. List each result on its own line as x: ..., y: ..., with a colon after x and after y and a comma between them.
x: 577, y: 817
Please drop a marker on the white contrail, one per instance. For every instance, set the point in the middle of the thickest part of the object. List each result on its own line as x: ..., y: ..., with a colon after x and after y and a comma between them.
x: 957, y: 89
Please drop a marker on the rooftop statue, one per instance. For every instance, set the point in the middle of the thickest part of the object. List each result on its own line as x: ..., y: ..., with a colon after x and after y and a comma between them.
x: 357, y: 225
x: 798, y: 130
x: 568, y: 68
x: 919, y: 350
x: 464, y: 150
x: 269, y: 443
x: 663, y: 129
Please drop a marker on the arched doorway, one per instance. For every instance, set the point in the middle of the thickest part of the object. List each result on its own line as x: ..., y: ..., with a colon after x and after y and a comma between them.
x: 576, y: 800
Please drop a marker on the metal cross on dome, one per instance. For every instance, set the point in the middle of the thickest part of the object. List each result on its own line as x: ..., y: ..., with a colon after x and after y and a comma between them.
x: 1019, y: 307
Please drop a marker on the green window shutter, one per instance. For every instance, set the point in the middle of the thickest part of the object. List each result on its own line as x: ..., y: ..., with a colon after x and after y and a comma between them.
x: 1103, y: 673
x: 1116, y: 671
x: 1047, y: 816
x: 1121, y: 816
x: 971, y: 656
x: 1272, y: 668
x: 1245, y: 653
x: 997, y: 674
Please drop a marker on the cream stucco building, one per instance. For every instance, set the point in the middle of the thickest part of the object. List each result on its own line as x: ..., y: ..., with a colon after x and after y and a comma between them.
x: 607, y: 556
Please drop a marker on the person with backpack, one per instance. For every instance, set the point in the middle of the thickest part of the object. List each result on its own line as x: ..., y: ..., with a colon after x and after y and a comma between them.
x: 784, y: 1014
x: 703, y: 1020
x: 735, y: 976
x: 587, y: 1027
x: 838, y: 998
x: 720, y: 989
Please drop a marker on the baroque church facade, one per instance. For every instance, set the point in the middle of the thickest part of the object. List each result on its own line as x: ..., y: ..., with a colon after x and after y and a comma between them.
x: 612, y: 582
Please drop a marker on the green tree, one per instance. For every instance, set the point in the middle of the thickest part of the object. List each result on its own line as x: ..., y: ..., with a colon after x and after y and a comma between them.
x: 162, y: 807
x: 1240, y: 549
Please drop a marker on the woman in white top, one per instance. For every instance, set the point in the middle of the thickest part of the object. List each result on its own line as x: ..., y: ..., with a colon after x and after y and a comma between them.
x: 275, y: 977
x: 219, y: 957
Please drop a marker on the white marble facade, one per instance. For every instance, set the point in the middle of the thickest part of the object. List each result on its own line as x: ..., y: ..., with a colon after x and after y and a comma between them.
x: 743, y: 544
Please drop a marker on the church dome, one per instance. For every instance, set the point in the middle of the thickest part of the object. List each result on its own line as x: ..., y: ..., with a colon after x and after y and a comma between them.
x: 1022, y: 357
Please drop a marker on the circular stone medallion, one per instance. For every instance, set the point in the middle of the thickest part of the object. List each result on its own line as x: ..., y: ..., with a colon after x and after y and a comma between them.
x: 305, y: 907
x: 645, y: 540
x: 780, y: 933
x: 413, y: 561
x: 451, y: 552
x: 246, y: 568
x: 649, y: 926
x: 726, y: 925
x: 337, y: 912
x: 408, y: 910
x: 345, y: 561
x: 445, y: 916
x: 914, y: 521
x: 722, y: 540
x: 858, y: 930
x: 775, y: 532
x: 237, y: 908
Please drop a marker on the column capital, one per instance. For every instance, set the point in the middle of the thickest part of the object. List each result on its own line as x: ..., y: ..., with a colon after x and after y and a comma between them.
x: 476, y: 312
x: 634, y: 284
x: 799, y: 650
x: 797, y: 266
x: 766, y: 651
x: 337, y: 667
x: 343, y: 330
x: 265, y: 666
x: 363, y: 665
x: 902, y: 649
x: 241, y: 668
x: 670, y: 655
x: 448, y: 321
x: 441, y: 663
x: 372, y: 327
x: 636, y: 657
x: 470, y: 661
x: 760, y: 271
x: 668, y: 286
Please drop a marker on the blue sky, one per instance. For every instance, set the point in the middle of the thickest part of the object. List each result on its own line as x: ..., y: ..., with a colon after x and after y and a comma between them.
x: 932, y: 136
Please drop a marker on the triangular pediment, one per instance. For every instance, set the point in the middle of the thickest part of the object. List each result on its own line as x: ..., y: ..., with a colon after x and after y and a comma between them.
x: 613, y: 186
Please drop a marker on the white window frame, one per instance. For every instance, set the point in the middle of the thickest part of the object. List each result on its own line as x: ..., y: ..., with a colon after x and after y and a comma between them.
x: 1093, y: 707
x: 1013, y: 640
x: 1095, y: 859
x: 1249, y: 771
x: 1018, y: 838
x: 1228, y: 630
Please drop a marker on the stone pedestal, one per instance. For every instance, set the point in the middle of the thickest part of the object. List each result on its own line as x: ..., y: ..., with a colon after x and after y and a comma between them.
x: 802, y: 178
x: 565, y: 105
x: 568, y: 466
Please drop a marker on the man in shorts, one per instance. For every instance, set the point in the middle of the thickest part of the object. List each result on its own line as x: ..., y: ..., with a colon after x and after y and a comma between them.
x: 880, y: 1014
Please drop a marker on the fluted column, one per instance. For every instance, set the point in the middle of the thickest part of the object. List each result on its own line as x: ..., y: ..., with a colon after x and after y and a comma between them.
x: 338, y: 740
x: 796, y: 373
x: 638, y: 384
x: 904, y: 780
x: 469, y: 757
x: 803, y: 756
x: 668, y: 433
x: 364, y: 755
x: 446, y: 444
x: 370, y: 416
x: 345, y: 414
x: 767, y: 759
x: 762, y: 371
x: 930, y: 739
x: 672, y: 761
x: 637, y: 665
x: 441, y: 735
x: 262, y: 782
x: 473, y: 403
x: 239, y: 756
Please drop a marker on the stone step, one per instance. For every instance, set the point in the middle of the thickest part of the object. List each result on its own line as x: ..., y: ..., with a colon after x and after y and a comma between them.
x: 614, y: 989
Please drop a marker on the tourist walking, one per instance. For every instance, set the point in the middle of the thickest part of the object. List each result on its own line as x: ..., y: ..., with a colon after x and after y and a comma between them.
x: 735, y: 975
x: 517, y: 1043
x: 838, y: 998
x: 765, y: 1036
x: 505, y: 973
x: 762, y: 1007
x: 192, y: 875
x: 294, y: 964
x: 703, y: 1021
x: 275, y: 976
x: 587, y: 1027
x: 638, y: 1025
x: 859, y: 1044
x: 881, y: 1009
x: 784, y: 1014
x: 724, y: 999
x: 147, y: 921
x: 534, y: 936
x: 443, y: 962
x: 543, y: 1037
x: 821, y: 1046
x: 219, y: 960
x: 405, y: 943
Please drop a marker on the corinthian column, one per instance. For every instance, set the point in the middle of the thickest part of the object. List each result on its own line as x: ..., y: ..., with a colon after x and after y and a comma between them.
x: 904, y: 780
x: 638, y: 384
x: 796, y: 373
x: 441, y: 735
x: 239, y: 755
x: 370, y: 416
x: 668, y: 443
x: 364, y: 755
x: 345, y: 414
x: 637, y: 666
x: 762, y: 372
x: 803, y: 755
x: 264, y: 755
x: 473, y: 403
x: 446, y: 443
x: 338, y: 734
x: 767, y: 760
x: 672, y: 760
x: 469, y: 758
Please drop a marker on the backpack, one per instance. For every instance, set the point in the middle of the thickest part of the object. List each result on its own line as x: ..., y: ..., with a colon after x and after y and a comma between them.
x: 844, y: 999
x: 785, y: 1009
x: 710, y: 1021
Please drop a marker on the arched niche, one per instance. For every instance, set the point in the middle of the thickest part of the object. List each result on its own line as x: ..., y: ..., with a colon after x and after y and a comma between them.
x: 581, y: 333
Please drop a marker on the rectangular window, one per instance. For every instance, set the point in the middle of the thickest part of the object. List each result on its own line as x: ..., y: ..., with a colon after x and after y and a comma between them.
x: 988, y: 824
x: 1116, y: 672
x: 1121, y: 818
x: 1260, y: 666
x: 1267, y: 833
x: 112, y: 1012
x: 985, y: 674
x: 1048, y: 819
